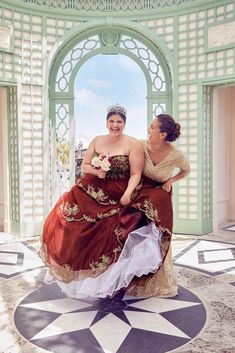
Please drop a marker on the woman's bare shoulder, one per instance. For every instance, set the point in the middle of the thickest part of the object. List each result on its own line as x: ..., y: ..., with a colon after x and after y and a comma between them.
x: 132, y: 140
x: 99, y: 138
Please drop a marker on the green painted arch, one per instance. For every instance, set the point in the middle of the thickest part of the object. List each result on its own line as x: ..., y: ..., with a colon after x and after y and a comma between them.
x: 72, y: 54
x: 68, y: 40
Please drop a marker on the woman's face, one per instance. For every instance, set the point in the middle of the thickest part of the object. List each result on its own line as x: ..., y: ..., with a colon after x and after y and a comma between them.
x: 115, y: 124
x: 154, y: 131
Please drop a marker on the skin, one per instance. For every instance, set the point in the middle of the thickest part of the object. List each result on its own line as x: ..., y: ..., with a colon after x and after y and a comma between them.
x: 159, y: 149
x: 117, y: 143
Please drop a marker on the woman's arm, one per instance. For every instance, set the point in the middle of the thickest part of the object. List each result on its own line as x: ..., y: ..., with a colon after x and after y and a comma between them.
x: 184, y: 167
x: 86, y: 166
x: 136, y: 160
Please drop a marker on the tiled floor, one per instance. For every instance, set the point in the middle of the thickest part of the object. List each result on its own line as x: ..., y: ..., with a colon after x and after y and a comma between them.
x: 36, y: 317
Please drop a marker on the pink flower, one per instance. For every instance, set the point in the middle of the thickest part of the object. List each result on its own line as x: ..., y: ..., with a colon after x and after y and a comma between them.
x: 101, y: 162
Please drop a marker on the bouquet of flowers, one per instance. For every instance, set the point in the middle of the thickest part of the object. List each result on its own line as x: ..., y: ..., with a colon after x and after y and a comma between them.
x: 101, y: 161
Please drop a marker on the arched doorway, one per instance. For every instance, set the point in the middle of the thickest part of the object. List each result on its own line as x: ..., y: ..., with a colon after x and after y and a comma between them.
x: 104, y: 40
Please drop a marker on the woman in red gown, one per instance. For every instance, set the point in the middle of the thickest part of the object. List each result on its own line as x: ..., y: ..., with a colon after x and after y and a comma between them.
x: 104, y: 231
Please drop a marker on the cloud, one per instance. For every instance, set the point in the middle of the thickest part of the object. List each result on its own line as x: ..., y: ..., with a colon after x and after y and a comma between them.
x: 90, y: 115
x: 99, y: 83
x: 137, y: 121
x: 87, y: 97
x: 127, y: 64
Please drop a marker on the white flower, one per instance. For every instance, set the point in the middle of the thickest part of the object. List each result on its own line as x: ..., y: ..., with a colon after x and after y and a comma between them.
x: 101, y: 162
x: 95, y: 162
x: 105, y: 164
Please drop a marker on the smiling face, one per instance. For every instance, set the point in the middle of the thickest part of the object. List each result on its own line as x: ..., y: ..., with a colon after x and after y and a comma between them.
x: 154, y: 131
x: 115, y: 124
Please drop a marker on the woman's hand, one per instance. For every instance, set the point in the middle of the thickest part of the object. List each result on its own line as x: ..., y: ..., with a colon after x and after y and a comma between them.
x: 101, y: 174
x: 125, y: 199
x: 167, y: 185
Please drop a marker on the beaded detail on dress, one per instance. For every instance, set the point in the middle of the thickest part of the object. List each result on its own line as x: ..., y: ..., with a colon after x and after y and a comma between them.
x: 120, y: 167
x: 163, y: 170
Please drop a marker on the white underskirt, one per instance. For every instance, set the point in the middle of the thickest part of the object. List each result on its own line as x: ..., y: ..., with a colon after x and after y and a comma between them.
x: 140, y: 255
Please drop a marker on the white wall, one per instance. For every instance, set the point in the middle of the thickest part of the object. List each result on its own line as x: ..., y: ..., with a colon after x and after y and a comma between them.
x: 2, y: 175
x: 224, y: 155
x: 232, y: 155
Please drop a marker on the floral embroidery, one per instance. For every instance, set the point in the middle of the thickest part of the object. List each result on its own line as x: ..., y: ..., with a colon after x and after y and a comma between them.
x: 89, y: 218
x: 68, y: 210
x: 104, y: 261
x: 108, y: 214
x: 100, y: 265
x: 119, y: 232
x: 149, y: 210
x: 64, y: 273
x: 116, y: 251
x: 99, y: 195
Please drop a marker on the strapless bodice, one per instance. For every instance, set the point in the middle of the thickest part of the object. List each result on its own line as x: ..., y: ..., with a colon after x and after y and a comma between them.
x: 120, y: 167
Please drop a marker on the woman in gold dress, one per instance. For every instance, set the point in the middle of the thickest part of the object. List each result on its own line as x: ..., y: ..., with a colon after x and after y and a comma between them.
x: 161, y: 160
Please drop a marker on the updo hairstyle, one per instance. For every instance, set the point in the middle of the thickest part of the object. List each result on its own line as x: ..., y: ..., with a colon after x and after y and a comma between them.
x: 167, y: 124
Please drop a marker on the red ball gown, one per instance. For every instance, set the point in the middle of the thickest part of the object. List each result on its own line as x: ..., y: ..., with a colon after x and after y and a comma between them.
x: 94, y: 246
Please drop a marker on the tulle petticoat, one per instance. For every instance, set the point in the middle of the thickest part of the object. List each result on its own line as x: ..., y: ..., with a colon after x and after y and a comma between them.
x: 140, y: 255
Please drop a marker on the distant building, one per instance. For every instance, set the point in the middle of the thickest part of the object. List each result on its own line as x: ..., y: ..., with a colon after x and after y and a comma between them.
x: 79, y: 154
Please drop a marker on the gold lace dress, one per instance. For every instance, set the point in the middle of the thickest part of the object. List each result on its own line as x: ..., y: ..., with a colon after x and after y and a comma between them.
x: 162, y: 283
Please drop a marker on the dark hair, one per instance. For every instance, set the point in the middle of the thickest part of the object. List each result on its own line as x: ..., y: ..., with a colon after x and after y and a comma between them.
x: 167, y: 124
x: 123, y: 116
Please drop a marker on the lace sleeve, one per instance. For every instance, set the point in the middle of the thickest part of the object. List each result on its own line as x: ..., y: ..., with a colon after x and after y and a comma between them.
x: 183, y: 164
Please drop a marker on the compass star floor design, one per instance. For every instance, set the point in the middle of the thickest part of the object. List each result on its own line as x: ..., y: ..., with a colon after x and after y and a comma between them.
x: 117, y: 325
x: 38, y: 318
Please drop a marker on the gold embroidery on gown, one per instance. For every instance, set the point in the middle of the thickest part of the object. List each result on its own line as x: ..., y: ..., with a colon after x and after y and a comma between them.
x: 162, y: 283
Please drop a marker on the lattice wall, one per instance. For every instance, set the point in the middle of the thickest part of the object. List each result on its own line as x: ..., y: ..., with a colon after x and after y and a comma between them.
x: 188, y: 142
x: 185, y: 37
x: 207, y: 153
x: 13, y: 151
x: 163, y: 27
x: 194, y: 62
x: 26, y: 65
x: 194, y: 65
x: 56, y: 28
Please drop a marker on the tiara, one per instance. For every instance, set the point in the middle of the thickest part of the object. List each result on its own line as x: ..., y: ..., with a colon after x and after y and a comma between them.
x: 117, y: 108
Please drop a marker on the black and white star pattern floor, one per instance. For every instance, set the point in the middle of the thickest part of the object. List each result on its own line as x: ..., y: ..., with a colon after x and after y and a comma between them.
x: 36, y: 317
x: 125, y: 324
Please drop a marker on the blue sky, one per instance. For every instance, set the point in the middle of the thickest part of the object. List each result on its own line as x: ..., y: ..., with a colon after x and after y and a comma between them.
x: 104, y: 80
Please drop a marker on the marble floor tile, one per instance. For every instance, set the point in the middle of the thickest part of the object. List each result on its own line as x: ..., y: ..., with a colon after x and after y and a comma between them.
x: 17, y: 258
x: 208, y: 256
x: 37, y: 318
